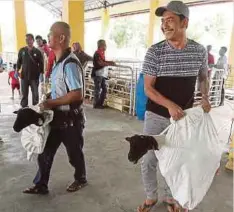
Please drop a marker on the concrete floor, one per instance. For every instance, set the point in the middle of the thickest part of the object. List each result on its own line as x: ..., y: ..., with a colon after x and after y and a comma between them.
x: 114, y: 183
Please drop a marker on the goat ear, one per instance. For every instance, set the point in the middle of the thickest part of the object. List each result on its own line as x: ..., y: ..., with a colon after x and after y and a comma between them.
x: 16, y: 111
x: 128, y: 139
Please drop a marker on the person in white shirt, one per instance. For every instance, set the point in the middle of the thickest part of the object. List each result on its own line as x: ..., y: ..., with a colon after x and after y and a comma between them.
x: 222, y: 63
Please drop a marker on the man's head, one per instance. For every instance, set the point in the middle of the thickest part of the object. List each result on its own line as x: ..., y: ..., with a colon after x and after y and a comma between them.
x: 76, y: 47
x: 39, y: 41
x: 222, y: 51
x: 59, y: 36
x: 44, y: 42
x: 29, y: 40
x: 175, y: 17
x: 209, y: 47
x: 101, y: 45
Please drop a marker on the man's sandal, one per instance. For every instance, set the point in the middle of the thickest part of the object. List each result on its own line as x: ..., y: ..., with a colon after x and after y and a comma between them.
x: 75, y: 186
x: 174, y: 207
x: 42, y: 190
x: 146, y: 207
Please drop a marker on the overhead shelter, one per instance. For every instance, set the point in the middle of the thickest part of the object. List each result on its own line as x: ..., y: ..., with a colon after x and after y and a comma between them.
x: 76, y: 12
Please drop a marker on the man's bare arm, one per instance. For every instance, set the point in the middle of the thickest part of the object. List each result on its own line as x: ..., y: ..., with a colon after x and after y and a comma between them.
x: 204, y: 88
x: 204, y: 83
x: 71, y: 97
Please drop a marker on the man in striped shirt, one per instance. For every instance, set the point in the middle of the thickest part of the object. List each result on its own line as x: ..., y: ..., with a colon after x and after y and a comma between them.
x: 170, y: 69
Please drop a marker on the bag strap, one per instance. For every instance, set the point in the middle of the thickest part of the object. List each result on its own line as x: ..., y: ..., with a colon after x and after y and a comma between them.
x: 73, y: 60
x: 30, y: 56
x: 165, y: 131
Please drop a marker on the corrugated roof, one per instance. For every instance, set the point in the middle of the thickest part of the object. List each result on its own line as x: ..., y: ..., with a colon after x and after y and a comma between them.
x: 55, y: 6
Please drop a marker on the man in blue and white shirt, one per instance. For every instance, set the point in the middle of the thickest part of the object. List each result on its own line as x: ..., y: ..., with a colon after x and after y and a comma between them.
x: 66, y: 102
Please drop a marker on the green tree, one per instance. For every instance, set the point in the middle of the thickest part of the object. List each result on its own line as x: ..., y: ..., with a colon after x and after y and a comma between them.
x: 128, y: 33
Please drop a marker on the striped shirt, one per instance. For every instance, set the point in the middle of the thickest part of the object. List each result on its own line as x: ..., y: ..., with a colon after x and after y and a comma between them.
x: 176, y: 71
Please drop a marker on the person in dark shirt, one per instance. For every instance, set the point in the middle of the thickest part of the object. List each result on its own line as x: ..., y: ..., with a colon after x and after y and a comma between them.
x: 81, y: 55
x: 31, y: 61
x: 100, y: 62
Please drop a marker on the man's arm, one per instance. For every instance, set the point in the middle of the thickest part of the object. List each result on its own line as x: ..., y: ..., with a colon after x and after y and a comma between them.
x: 19, y: 60
x: 150, y: 78
x: 87, y: 57
x: 72, y: 96
x: 73, y: 79
x: 103, y: 63
x: 204, y: 83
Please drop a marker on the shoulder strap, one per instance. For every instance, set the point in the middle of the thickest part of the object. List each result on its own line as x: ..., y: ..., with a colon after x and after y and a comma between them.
x: 30, y: 56
x: 73, y: 60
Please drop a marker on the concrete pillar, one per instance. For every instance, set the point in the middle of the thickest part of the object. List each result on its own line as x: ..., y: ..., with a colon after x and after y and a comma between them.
x: 73, y: 14
x: 105, y: 22
x: 230, y: 80
x: 20, y: 23
x: 152, y: 21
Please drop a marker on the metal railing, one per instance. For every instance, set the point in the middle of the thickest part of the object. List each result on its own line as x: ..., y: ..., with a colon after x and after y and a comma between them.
x: 125, y: 75
x: 120, y: 87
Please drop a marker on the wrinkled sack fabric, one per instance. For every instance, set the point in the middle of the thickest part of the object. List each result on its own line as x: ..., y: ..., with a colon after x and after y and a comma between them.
x: 190, y: 157
x: 34, y: 137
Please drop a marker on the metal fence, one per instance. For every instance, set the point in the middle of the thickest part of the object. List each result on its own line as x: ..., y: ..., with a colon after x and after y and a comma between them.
x: 121, y: 93
x: 120, y: 87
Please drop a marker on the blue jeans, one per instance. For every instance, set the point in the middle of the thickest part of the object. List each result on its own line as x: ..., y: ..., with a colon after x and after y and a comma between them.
x: 100, y: 90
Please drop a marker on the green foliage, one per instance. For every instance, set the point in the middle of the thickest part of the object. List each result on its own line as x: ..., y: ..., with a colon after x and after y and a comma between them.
x: 128, y: 33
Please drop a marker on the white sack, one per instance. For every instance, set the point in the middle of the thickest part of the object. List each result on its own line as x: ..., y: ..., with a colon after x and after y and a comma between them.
x: 190, y: 157
x: 34, y: 137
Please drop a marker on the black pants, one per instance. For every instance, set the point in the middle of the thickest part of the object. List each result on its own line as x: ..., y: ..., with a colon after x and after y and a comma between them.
x: 25, y: 83
x: 72, y: 138
x: 100, y: 91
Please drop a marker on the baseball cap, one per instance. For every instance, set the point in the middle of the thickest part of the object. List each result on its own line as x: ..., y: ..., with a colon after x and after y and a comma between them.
x: 177, y: 7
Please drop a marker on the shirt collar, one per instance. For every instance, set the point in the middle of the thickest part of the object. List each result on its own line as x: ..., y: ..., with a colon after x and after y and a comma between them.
x: 65, y: 55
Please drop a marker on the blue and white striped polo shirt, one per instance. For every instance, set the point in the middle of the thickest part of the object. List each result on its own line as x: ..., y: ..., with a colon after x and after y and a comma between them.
x: 176, y: 71
x: 66, y: 76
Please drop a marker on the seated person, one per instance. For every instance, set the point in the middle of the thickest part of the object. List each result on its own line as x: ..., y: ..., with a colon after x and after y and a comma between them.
x: 100, y: 62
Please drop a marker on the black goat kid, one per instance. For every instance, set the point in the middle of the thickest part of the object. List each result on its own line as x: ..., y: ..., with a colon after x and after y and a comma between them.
x: 139, y: 145
x: 26, y: 117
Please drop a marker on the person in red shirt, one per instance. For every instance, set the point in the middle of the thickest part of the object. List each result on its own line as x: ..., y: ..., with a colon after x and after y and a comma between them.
x: 15, y: 84
x: 99, y: 62
x: 211, y: 61
x: 50, y: 63
x: 43, y: 47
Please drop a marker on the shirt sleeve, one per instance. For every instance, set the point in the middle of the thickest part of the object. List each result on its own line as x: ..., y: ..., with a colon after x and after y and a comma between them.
x: 73, y: 76
x: 204, y: 66
x: 150, y: 63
